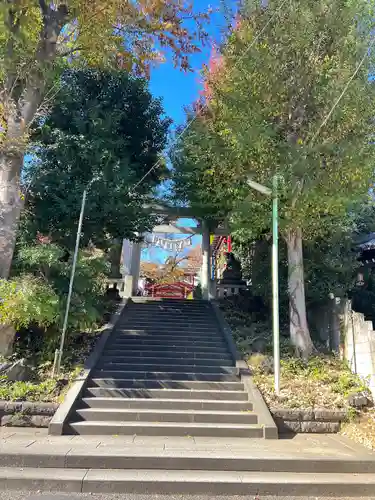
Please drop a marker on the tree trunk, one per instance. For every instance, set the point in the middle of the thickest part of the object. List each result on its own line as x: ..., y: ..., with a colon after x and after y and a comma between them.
x: 299, y: 330
x: 20, y: 99
x: 10, y: 208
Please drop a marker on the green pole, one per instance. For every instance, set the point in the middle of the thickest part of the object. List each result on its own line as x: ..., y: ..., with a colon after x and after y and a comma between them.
x: 275, y: 285
x: 72, y: 274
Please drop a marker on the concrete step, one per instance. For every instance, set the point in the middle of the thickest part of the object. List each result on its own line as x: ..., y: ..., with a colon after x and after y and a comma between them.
x: 171, y: 353
x: 166, y: 404
x: 151, y: 342
x: 122, y: 392
x: 146, y: 415
x: 168, y: 339
x: 172, y: 312
x: 172, y: 333
x: 251, y: 457
x: 166, y: 429
x: 165, y: 384
x: 141, y: 457
x: 187, y: 482
x: 142, y: 348
x: 153, y: 367
x: 169, y: 335
x: 157, y: 322
x: 167, y: 325
x: 166, y: 375
x: 155, y: 301
x: 171, y: 308
x: 167, y: 320
x: 121, y: 361
x: 168, y: 313
x: 198, y: 316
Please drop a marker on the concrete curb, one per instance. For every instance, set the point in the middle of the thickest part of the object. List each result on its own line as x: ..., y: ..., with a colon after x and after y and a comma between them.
x: 270, y: 430
x: 56, y: 426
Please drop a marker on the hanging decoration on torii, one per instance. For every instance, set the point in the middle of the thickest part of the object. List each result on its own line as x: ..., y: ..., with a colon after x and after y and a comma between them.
x: 167, y: 243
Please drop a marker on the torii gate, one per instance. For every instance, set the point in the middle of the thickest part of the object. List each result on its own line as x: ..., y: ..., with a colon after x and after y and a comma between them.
x: 172, y: 214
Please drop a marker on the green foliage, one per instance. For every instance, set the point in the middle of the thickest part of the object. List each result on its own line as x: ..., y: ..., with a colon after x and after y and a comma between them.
x: 321, y: 381
x: 27, y: 391
x: 307, y: 125
x: 42, y: 389
x: 200, y: 160
x: 258, y: 125
x: 110, y: 34
x: 26, y: 300
x: 104, y: 127
x: 53, y: 264
x: 38, y: 38
x: 249, y: 320
x: 325, y: 369
x: 330, y: 264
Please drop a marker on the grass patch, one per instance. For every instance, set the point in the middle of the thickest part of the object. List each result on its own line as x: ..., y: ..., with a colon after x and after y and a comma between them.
x: 46, y: 390
x: 324, y: 381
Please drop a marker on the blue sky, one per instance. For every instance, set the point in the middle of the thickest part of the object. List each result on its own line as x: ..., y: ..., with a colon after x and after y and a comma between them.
x: 179, y: 89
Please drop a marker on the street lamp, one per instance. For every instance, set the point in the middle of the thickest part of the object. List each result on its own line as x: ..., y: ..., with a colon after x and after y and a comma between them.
x: 275, y: 273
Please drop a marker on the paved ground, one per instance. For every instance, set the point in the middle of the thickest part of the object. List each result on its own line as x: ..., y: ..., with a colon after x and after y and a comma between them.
x: 20, y: 495
x: 62, y: 448
x: 301, y: 445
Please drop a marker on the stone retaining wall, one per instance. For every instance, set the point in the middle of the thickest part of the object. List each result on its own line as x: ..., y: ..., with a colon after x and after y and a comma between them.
x: 318, y: 421
x: 26, y: 414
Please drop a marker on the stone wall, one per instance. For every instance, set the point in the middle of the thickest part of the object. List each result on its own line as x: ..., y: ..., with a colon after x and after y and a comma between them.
x: 348, y: 333
x: 359, y: 346
x: 318, y: 421
x: 26, y: 414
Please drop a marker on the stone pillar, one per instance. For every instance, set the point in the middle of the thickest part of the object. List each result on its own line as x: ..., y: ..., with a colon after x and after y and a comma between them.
x: 206, y: 262
x: 135, y: 266
x: 128, y: 286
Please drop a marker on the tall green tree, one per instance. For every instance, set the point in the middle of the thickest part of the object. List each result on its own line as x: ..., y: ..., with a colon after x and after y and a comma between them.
x: 272, y: 111
x: 104, y: 131
x: 38, y: 37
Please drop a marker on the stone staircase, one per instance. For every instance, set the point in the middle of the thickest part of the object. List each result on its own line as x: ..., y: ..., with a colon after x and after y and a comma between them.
x: 165, y: 407
x: 166, y: 370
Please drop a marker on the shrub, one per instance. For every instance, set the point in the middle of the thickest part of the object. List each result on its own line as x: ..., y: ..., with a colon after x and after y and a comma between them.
x: 53, y: 263
x: 47, y: 389
x: 26, y: 300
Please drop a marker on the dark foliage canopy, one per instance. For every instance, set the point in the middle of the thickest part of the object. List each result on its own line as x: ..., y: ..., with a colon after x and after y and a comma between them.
x: 104, y: 128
